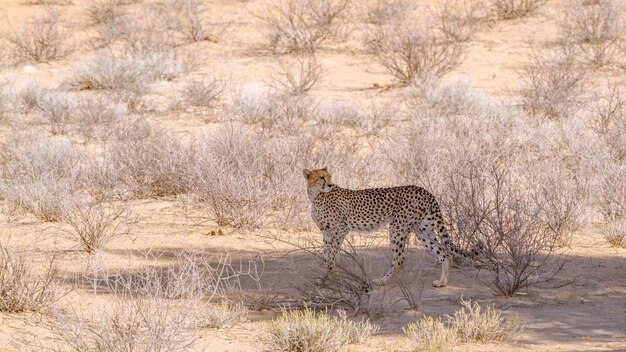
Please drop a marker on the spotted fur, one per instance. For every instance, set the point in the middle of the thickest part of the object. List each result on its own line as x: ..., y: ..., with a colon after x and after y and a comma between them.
x: 406, y: 209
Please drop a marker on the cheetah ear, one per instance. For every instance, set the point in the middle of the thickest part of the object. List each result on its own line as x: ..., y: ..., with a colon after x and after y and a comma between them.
x: 306, y: 173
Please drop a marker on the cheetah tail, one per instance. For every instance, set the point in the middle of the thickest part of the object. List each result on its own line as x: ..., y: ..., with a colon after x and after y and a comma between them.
x: 472, y: 252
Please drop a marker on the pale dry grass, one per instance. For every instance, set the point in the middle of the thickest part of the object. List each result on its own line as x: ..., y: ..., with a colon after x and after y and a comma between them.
x: 430, y: 335
x: 472, y: 323
x: 308, y: 330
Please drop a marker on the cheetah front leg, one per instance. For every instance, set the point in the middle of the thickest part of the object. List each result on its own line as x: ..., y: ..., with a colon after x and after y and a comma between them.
x: 397, y: 244
x: 332, y: 243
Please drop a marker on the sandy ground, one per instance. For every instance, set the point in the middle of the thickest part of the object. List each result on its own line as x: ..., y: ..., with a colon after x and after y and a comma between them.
x: 584, y: 309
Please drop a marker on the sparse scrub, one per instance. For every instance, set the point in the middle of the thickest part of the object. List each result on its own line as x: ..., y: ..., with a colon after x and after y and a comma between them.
x: 146, y: 33
x: 43, y: 40
x: 302, y: 26
x: 274, y: 113
x: 369, y: 120
x: 204, y: 93
x: 308, y: 330
x: 431, y: 335
x: 610, y: 122
x: 127, y: 77
x: 519, y: 249
x: 57, y: 109
x: 223, y: 315
x: 94, y: 224
x: 551, y: 84
x: 510, y: 9
x: 104, y: 11
x: 299, y: 76
x: 21, y: 289
x: 614, y: 233
x: 227, y: 177
x: 473, y: 324
x: 410, y: 53
x: 153, y: 164
x: 95, y: 117
x: 458, y: 20
x: 191, y: 24
x: 143, y: 324
x: 30, y: 96
x: 596, y: 29
x: 386, y: 11
x: 40, y: 175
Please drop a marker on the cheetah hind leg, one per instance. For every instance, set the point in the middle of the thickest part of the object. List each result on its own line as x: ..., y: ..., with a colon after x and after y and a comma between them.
x: 429, y: 239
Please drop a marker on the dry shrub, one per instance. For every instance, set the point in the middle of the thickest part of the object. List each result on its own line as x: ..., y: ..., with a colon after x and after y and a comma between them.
x: 410, y: 53
x: 191, y: 24
x: 152, y: 162
x: 614, y: 233
x: 141, y: 324
x: 367, y: 119
x: 509, y: 9
x: 94, y: 224
x: 551, y: 84
x: 104, y: 11
x: 596, y: 29
x: 458, y: 20
x: 30, y: 96
x: 611, y: 194
x: 386, y: 11
x: 308, y: 330
x: 224, y: 315
x: 43, y: 40
x: 491, y: 203
x: 561, y: 198
x: 140, y: 33
x: 430, y: 335
x: 96, y: 117
x: 472, y: 324
x: 57, y: 109
x: 204, y: 93
x: 273, y: 113
x: 609, y: 122
x: 22, y: 289
x: 241, y: 178
x: 302, y: 26
x: 40, y: 175
x: 128, y: 77
x: 299, y: 76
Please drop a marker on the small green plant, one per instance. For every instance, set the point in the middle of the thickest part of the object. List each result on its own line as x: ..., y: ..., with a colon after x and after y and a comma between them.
x: 431, y: 335
x: 308, y: 330
x: 473, y: 324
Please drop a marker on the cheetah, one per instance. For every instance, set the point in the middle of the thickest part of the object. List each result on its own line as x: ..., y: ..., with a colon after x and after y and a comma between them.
x: 406, y: 209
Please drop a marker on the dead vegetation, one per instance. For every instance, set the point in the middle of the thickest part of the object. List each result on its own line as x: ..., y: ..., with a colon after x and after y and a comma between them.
x: 24, y: 290
x: 411, y: 53
x: 596, y: 29
x: 524, y: 175
x: 313, y: 331
x: 44, y: 39
x: 510, y: 9
x: 302, y: 26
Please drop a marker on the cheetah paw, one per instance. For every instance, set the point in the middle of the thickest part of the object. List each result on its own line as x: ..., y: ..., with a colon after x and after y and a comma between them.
x: 439, y: 283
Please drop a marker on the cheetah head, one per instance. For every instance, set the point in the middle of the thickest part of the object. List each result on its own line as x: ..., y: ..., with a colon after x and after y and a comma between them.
x: 318, y: 180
